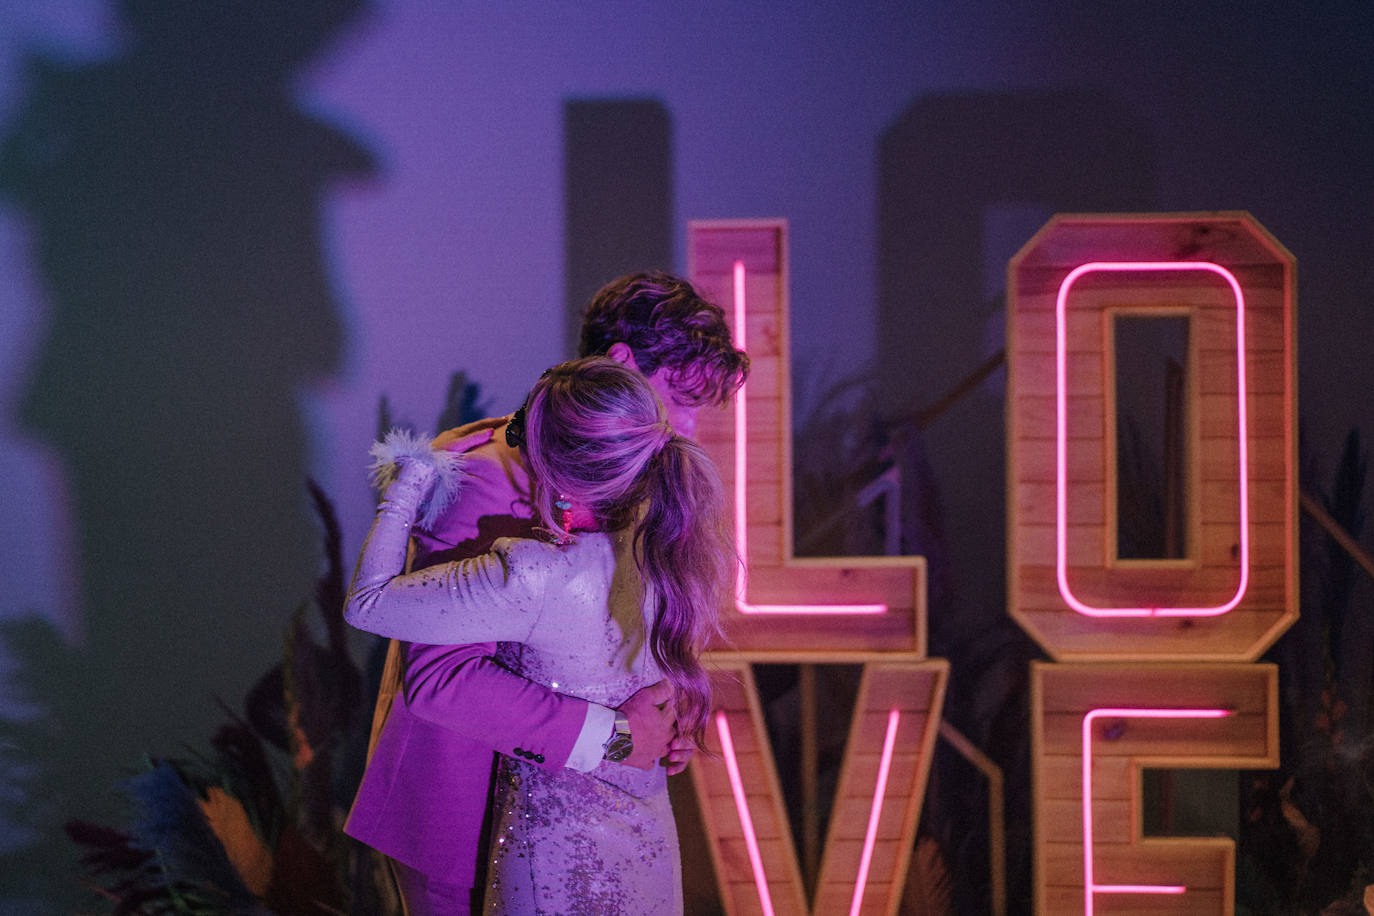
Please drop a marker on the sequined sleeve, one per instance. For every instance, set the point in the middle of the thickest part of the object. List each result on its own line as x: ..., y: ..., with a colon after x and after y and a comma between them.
x: 497, y: 596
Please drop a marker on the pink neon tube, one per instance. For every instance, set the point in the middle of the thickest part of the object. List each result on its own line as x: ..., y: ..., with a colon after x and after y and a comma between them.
x: 1090, y: 885
x: 751, y: 842
x: 1061, y: 443
x: 879, y: 791
x: 741, y: 509
x: 746, y: 822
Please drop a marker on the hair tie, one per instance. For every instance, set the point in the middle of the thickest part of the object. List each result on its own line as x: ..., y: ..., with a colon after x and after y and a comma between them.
x: 665, y: 436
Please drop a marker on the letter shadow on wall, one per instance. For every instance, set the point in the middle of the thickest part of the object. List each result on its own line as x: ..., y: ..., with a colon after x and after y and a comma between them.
x: 618, y: 196
x: 946, y: 166
x: 174, y: 196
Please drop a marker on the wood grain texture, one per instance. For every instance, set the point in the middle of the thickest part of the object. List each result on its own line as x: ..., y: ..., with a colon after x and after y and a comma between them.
x: 1062, y: 695
x: 1210, y: 575
x: 903, y: 683
x: 775, y: 578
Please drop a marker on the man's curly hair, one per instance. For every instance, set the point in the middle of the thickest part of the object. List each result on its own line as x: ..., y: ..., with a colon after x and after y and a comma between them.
x: 667, y: 325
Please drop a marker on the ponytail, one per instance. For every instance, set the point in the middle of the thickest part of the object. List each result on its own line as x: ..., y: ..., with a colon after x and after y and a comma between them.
x: 684, y: 548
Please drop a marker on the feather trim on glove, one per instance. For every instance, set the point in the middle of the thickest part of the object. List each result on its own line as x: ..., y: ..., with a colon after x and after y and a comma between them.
x: 401, y: 444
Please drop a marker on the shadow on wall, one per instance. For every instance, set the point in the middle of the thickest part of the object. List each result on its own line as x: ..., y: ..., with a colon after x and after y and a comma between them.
x: 618, y: 196
x: 947, y: 167
x: 174, y: 196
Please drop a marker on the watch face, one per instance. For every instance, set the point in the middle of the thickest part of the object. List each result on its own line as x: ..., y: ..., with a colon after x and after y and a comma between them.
x: 619, y: 748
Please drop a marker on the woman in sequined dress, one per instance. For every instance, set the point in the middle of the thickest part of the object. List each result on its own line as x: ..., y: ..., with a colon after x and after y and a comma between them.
x: 622, y: 594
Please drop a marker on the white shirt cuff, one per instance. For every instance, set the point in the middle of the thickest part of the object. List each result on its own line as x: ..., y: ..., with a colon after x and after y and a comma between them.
x: 591, y: 742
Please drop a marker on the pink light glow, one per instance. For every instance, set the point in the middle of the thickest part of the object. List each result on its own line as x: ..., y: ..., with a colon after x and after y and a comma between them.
x: 1090, y: 886
x: 751, y: 842
x: 879, y: 790
x: 1061, y: 443
x: 741, y: 510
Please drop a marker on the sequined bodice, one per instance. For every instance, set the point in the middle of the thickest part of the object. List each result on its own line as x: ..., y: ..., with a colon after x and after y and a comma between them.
x: 590, y: 641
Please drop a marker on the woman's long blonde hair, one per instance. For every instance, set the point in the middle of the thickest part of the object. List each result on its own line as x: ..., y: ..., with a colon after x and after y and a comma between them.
x: 595, y: 433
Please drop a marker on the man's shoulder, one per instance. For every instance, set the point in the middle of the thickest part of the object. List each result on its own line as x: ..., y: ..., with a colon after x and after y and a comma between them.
x: 486, y: 455
x: 473, y: 437
x: 492, y: 502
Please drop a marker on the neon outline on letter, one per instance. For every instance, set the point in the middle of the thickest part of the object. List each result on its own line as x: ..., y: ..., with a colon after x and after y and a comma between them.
x: 741, y: 511
x: 1061, y: 443
x: 744, y: 607
x: 751, y: 841
x: 1090, y: 885
x: 879, y: 790
x: 746, y: 822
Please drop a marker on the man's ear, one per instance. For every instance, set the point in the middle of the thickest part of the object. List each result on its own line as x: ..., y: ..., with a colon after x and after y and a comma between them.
x: 621, y: 353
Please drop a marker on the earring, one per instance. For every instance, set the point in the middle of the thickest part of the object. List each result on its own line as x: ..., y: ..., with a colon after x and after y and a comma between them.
x: 563, y: 504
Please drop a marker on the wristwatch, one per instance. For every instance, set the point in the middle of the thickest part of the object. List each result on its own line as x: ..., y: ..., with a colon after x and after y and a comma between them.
x: 619, y: 745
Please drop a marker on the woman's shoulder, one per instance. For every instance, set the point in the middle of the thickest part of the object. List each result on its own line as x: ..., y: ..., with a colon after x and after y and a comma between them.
x: 584, y: 548
x: 565, y: 583
x: 590, y: 552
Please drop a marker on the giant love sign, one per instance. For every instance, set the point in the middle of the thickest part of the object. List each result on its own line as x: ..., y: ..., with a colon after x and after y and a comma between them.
x: 1153, y: 638
x: 1153, y: 647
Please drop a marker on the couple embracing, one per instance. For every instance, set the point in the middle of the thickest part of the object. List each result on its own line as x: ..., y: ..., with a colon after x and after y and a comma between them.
x: 566, y: 565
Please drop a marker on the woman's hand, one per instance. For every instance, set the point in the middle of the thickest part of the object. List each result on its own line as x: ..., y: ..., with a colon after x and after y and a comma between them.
x: 680, y: 752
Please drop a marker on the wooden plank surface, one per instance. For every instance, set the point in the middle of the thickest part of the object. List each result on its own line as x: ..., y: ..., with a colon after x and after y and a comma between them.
x: 1210, y: 574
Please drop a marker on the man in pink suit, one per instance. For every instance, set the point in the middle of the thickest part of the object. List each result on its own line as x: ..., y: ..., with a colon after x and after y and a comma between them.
x: 443, y: 710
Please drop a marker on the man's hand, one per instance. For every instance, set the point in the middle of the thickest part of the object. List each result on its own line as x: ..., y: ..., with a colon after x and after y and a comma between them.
x: 653, y: 724
x: 680, y: 753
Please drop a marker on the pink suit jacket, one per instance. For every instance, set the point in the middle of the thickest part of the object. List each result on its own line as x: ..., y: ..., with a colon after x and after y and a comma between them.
x: 443, y: 709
